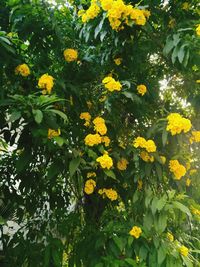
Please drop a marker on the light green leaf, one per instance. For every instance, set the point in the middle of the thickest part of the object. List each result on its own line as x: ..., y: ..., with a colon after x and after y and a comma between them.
x: 73, y: 166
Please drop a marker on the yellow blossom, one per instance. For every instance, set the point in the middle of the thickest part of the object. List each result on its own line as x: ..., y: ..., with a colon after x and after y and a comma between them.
x: 135, y: 231
x: 170, y: 237
x: 87, y: 117
x: 195, y: 211
x: 177, y: 169
x: 111, y: 84
x: 53, y: 133
x: 89, y: 186
x: 91, y: 174
x: 105, y: 161
x: 177, y: 124
x: 23, y: 70
x: 197, y: 81
x: 163, y: 159
x: 141, y: 89
x: 188, y: 182
x: 193, y: 171
x: 106, y: 4
x: 92, y: 139
x: 111, y: 194
x: 198, y: 30
x: 146, y: 157
x: 122, y: 164
x: 139, y: 142
x: 118, y: 61
x: 105, y: 140
x: 184, y: 251
x: 99, y: 125
x: 70, y: 54
x: 46, y: 83
x: 185, y: 6
x: 150, y: 146
x: 195, y: 137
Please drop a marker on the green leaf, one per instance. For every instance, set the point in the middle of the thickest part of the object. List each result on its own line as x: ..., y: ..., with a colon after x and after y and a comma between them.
x: 182, y: 207
x: 73, y: 166
x: 164, y: 137
x: 15, y: 116
x: 59, y: 140
x: 38, y: 115
x: 187, y: 261
x: 168, y: 47
x: 175, y: 54
x: 59, y: 113
x: 181, y: 53
x: 162, y: 252
x: 131, y: 262
x: 110, y: 174
x: 119, y: 242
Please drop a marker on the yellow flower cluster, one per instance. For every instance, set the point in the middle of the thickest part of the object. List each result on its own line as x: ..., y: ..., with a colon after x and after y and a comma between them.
x: 106, y: 140
x: 23, y: 70
x: 170, y: 237
x: 177, y: 169
x: 100, y: 126
x: 87, y: 117
x: 122, y: 164
x: 109, y: 193
x: 92, y: 139
x: 111, y: 84
x: 46, y: 83
x: 91, y: 13
x: 195, y: 211
x: 195, y: 137
x: 105, y: 161
x: 89, y: 186
x: 198, y: 30
x: 188, y: 182
x: 135, y: 231
x: 118, y: 13
x: 53, y: 133
x: 142, y: 89
x: 70, y: 54
x: 91, y: 174
x: 184, y: 251
x: 185, y: 6
x: 146, y: 157
x: 118, y: 61
x: 177, y: 124
x: 149, y: 145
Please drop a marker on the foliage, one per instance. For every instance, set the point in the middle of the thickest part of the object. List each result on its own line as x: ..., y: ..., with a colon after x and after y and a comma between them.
x: 83, y: 203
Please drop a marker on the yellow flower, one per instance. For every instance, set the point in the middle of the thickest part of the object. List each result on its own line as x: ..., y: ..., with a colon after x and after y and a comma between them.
x: 70, y: 54
x: 195, y: 211
x: 105, y: 140
x: 91, y: 174
x: 23, y: 70
x: 188, y: 182
x: 46, y: 83
x: 89, y: 186
x: 170, y: 237
x: 139, y: 142
x: 146, y: 13
x: 163, y: 159
x: 99, y: 125
x: 87, y: 117
x: 141, y: 89
x: 198, y: 30
x: 177, y: 169
x: 140, y: 184
x: 106, y: 4
x: 185, y: 6
x: 197, y: 81
x: 118, y: 61
x: 135, y: 231
x: 150, y: 146
x: 146, y: 157
x: 177, y: 124
x: 195, y: 137
x: 184, y: 251
x: 111, y: 194
x: 92, y: 139
x: 53, y: 133
x: 188, y: 166
x: 105, y: 161
x: 111, y: 84
x: 122, y: 164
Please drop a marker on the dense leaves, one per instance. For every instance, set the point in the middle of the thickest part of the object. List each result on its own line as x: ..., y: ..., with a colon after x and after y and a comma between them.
x: 135, y: 209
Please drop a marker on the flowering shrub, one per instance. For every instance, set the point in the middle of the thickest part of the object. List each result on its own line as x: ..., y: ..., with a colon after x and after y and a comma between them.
x: 99, y: 133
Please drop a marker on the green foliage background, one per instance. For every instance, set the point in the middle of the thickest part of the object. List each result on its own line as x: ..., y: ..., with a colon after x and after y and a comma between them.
x: 42, y: 180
